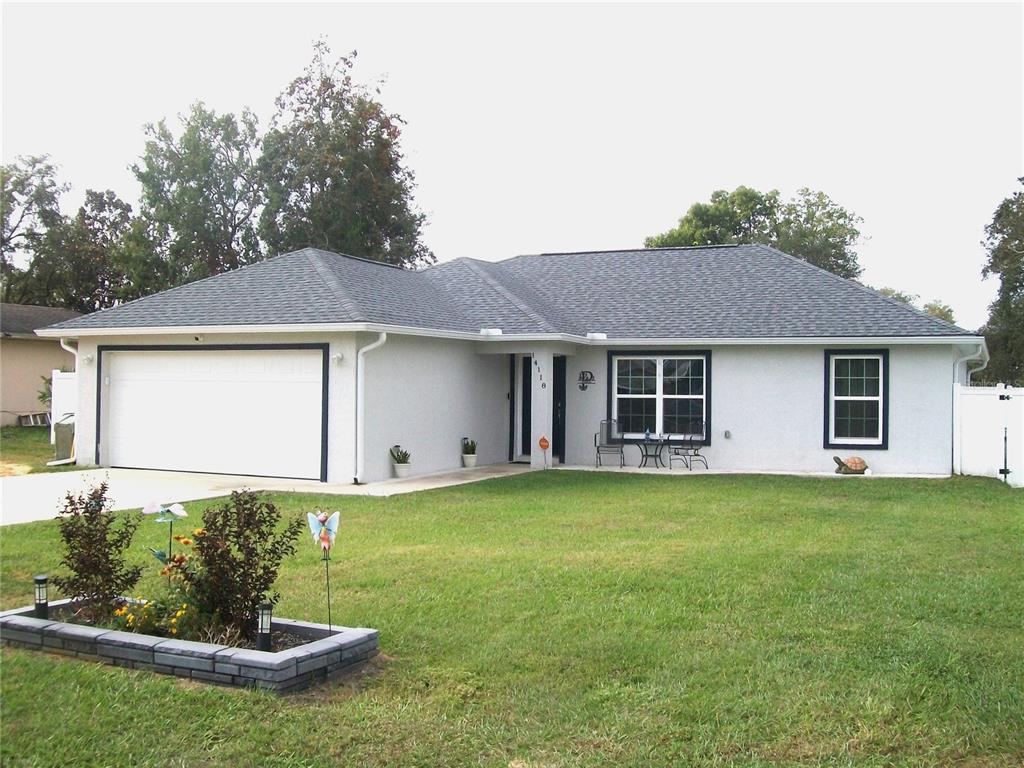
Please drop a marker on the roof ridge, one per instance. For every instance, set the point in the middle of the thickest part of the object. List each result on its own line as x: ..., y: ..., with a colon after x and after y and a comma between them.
x: 862, y: 287
x: 516, y: 301
x: 333, y: 284
x: 621, y: 250
x: 375, y: 262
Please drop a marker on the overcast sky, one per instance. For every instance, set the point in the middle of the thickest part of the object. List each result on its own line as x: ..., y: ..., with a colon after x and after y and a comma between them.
x: 547, y: 128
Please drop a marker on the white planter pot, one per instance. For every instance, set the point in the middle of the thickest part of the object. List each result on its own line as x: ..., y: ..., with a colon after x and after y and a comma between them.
x: 402, y: 470
x: 469, y: 459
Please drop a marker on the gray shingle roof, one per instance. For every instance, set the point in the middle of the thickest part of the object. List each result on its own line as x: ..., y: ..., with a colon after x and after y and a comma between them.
x: 702, y: 292
x: 25, y: 319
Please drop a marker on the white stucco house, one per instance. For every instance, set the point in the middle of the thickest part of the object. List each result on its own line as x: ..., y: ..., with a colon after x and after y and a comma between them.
x: 312, y: 364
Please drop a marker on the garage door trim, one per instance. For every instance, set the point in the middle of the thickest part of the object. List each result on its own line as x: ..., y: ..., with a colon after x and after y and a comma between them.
x: 324, y: 378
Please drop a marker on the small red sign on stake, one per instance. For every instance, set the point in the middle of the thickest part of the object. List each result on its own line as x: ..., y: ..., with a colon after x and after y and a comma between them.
x: 543, y: 443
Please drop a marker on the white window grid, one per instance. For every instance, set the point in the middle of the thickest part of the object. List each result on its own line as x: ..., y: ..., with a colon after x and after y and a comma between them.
x: 659, y: 396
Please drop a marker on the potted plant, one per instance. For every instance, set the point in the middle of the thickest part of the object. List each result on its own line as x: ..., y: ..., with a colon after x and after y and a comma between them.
x: 400, y: 460
x: 468, y: 452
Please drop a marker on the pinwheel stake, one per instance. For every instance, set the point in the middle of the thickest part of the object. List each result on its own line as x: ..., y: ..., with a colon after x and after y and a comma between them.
x: 324, y: 530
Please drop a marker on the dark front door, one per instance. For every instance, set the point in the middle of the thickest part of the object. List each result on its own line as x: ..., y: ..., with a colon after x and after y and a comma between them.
x: 558, y: 417
x: 527, y: 376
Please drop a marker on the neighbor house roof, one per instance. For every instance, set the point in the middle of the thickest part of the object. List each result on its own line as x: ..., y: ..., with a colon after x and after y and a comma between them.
x: 26, y: 319
x: 733, y: 291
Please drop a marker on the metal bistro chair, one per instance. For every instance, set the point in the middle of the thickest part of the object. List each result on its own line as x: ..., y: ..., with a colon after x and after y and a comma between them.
x: 688, y: 448
x: 606, y: 443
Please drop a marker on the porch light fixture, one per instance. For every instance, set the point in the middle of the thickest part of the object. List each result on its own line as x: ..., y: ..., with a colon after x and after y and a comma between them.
x: 42, y: 610
x: 337, y: 358
x: 263, y: 626
x: 87, y: 359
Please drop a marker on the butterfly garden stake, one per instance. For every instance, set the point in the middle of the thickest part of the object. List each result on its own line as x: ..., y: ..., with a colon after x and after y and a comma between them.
x: 324, y: 530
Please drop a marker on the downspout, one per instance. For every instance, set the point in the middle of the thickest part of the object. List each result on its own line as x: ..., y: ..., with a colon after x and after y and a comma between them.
x: 361, y: 407
x: 979, y: 353
x: 72, y: 350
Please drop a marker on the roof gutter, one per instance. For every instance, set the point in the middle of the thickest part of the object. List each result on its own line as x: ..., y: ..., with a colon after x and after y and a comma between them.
x: 360, y: 457
x: 981, y: 353
x: 591, y: 339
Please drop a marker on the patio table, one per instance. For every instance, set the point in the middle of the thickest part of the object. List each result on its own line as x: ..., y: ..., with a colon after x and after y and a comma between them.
x: 651, y: 448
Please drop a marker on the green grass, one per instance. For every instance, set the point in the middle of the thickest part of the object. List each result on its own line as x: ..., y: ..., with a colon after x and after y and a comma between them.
x: 563, y: 619
x: 24, y: 450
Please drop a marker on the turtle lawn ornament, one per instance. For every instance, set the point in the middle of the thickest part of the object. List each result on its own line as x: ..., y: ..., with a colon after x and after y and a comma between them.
x: 854, y: 465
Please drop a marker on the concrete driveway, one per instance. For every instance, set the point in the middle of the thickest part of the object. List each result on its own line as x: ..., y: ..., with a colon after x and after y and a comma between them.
x: 27, y: 498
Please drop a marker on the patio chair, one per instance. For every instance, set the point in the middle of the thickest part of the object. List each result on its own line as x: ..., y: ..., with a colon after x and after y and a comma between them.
x: 687, y: 449
x: 606, y: 443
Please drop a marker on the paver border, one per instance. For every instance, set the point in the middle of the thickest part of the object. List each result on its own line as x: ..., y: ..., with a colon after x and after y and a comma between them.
x: 330, y: 652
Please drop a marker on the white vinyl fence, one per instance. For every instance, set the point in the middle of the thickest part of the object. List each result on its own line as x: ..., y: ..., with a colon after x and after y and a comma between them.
x: 988, y: 432
x: 63, y: 398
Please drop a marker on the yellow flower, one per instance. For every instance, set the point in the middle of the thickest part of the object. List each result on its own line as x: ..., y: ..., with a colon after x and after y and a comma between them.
x: 174, y: 631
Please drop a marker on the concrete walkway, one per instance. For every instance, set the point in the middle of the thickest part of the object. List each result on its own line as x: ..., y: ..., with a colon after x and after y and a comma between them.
x: 27, y: 498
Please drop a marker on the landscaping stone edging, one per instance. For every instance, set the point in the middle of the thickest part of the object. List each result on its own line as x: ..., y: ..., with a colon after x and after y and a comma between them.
x: 330, y: 652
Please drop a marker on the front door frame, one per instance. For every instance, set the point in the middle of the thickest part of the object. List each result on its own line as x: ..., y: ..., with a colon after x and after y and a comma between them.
x: 558, y: 409
x: 520, y: 379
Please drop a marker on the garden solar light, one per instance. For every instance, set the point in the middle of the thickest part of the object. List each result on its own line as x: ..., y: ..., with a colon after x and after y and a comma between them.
x: 42, y: 602
x: 263, y: 626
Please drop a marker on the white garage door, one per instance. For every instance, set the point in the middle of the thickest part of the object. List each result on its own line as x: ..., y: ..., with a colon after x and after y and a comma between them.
x: 244, y: 412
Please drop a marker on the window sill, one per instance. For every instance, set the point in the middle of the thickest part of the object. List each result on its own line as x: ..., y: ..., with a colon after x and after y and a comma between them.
x: 858, y: 446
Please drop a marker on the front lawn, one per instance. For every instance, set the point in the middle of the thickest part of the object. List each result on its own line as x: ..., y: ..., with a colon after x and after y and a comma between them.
x: 562, y: 619
x: 24, y: 450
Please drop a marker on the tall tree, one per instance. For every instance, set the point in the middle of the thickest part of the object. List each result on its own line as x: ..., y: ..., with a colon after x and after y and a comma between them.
x: 335, y: 172
x: 810, y: 226
x: 201, y: 191
x: 935, y: 307
x: 815, y: 228
x: 1004, y: 330
x: 29, y: 206
x: 77, y: 262
x: 892, y: 293
x: 941, y: 310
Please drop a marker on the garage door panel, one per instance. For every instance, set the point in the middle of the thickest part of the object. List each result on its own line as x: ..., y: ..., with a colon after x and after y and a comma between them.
x: 254, y: 412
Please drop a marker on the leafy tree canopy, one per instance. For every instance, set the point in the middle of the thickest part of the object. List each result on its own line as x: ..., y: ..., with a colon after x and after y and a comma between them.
x: 1004, y: 330
x: 29, y: 204
x: 935, y: 308
x: 201, y: 192
x: 77, y: 262
x: 335, y: 174
x: 810, y: 226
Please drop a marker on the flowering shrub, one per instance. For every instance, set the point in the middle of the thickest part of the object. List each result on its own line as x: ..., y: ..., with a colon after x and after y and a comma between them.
x: 94, y: 551
x: 235, y: 559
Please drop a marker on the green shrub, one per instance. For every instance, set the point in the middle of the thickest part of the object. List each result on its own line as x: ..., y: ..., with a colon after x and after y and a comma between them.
x: 94, y: 548
x: 236, y: 556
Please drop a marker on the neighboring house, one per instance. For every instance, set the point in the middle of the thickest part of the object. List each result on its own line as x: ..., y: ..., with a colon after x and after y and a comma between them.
x: 313, y: 364
x: 26, y: 358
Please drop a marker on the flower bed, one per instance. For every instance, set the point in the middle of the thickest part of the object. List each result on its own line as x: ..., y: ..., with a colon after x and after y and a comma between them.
x: 328, y: 653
